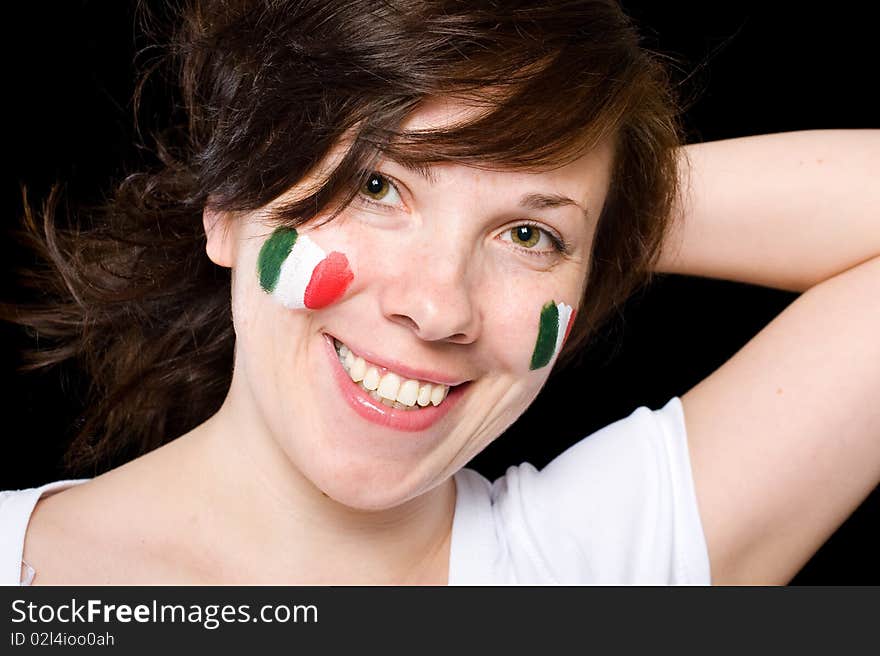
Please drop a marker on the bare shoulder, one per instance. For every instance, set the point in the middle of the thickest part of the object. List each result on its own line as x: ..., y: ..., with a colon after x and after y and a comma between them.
x: 63, y: 537
x: 107, y: 530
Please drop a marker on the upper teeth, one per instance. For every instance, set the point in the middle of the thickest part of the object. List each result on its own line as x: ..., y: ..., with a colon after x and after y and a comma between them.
x: 390, y: 388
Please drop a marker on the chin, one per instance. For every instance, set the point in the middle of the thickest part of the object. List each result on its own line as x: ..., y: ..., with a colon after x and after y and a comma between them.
x: 369, y: 487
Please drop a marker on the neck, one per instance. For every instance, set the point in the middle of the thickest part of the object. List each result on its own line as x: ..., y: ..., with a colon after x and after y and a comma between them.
x: 263, y: 520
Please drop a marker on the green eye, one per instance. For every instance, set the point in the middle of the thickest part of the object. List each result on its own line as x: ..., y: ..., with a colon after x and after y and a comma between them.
x: 533, y: 240
x: 376, y: 187
x: 525, y: 235
x: 379, y: 190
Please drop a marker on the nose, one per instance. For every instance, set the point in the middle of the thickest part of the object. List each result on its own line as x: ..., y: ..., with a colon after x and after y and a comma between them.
x: 429, y: 292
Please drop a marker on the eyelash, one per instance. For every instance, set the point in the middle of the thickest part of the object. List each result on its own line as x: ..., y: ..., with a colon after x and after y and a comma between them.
x: 369, y: 201
x: 559, y: 244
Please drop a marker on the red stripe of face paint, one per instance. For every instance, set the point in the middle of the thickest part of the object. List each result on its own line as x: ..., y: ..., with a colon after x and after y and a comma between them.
x: 329, y: 281
x: 568, y: 328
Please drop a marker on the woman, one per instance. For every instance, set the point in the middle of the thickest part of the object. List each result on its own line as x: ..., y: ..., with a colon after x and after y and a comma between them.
x: 455, y: 269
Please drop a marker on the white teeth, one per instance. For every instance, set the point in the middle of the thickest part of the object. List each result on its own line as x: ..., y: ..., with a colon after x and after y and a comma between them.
x: 389, y: 386
x: 358, y: 370
x: 408, y: 393
x: 424, y: 395
x: 371, y: 380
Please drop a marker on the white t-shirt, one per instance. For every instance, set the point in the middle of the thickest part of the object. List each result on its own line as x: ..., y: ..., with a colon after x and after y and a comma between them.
x: 618, y: 507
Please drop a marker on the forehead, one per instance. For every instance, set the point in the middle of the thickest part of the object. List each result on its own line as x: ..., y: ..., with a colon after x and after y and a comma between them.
x: 586, y: 179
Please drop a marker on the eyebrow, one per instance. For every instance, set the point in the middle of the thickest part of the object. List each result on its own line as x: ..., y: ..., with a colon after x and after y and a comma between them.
x: 422, y: 170
x: 538, y: 201
x: 530, y: 201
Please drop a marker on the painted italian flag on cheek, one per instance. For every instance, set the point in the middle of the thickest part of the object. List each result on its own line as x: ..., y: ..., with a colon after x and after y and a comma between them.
x: 555, y: 324
x: 299, y: 274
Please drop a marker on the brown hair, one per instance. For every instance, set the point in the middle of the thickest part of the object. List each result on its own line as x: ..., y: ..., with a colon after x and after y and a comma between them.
x: 269, y: 87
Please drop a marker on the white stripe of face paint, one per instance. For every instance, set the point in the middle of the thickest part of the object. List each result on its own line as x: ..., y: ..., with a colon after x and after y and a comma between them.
x: 296, y: 272
x: 564, y: 317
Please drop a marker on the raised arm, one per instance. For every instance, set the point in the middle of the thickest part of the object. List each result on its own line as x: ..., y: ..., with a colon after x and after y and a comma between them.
x: 785, y: 436
x: 782, y: 210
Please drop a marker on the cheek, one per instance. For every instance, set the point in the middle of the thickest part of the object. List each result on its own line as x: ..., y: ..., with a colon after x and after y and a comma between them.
x: 529, y: 326
x: 299, y: 274
x: 554, y: 324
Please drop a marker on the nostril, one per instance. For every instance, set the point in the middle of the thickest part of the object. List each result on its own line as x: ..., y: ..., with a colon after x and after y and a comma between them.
x: 406, y: 321
x: 434, y: 326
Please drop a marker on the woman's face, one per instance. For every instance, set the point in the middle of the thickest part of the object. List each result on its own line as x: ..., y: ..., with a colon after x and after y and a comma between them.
x: 447, y: 282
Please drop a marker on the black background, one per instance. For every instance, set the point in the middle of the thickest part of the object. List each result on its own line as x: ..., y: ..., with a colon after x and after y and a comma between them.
x: 763, y: 67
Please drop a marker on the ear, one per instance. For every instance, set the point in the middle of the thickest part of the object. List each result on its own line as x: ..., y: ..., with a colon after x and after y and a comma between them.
x: 221, y: 237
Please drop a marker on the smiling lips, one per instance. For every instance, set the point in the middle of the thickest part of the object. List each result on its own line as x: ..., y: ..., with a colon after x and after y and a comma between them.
x: 389, y: 388
x: 432, y: 400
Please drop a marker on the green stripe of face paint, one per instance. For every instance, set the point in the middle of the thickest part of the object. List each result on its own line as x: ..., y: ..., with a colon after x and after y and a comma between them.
x: 272, y: 255
x: 547, y: 331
